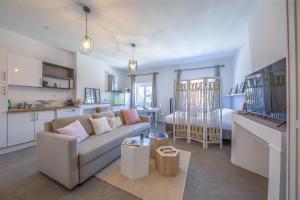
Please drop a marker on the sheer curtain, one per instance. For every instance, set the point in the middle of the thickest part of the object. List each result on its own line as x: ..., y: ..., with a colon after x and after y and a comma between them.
x: 132, y: 94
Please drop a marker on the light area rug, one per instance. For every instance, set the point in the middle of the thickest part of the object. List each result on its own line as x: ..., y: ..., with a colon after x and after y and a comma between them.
x: 151, y: 187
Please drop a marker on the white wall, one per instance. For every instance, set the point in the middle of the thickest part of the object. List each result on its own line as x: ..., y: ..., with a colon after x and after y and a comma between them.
x: 91, y: 72
x: 167, y: 75
x: 267, y: 33
x: 22, y: 45
x: 242, y: 61
x: 265, y: 40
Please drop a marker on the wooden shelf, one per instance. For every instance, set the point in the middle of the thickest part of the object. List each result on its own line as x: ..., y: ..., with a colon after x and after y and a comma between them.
x: 57, y: 77
x: 58, y: 72
x: 58, y: 88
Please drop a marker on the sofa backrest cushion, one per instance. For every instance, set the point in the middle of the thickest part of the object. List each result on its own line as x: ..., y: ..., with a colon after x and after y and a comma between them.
x: 130, y: 117
x: 119, y: 114
x: 103, y: 114
x: 48, y: 127
x: 114, y: 122
x: 74, y: 129
x: 100, y: 125
x: 64, y: 121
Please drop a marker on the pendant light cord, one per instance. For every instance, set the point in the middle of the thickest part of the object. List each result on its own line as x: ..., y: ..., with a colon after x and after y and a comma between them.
x: 133, y: 53
x: 133, y: 46
x: 86, y: 23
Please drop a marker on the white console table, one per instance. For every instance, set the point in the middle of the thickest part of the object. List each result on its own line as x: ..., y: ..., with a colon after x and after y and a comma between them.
x: 259, y: 146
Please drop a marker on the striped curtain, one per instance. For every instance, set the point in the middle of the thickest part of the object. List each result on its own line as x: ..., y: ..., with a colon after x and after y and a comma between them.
x: 178, y: 75
x: 154, y: 91
x: 217, y: 71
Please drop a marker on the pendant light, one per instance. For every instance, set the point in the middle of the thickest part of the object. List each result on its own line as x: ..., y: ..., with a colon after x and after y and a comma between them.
x: 86, y: 43
x: 132, y: 63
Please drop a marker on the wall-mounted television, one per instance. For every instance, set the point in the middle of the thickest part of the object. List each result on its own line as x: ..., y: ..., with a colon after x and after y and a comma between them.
x: 265, y: 91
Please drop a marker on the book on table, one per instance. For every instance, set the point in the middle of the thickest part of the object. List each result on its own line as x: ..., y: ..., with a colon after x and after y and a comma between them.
x: 168, y: 150
x: 132, y: 142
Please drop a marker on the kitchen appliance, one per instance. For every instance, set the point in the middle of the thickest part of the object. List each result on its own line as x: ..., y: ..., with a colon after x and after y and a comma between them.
x: 265, y: 91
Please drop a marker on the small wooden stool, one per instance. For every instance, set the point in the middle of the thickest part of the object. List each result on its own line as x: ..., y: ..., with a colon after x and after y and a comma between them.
x: 157, y: 142
x: 167, y: 163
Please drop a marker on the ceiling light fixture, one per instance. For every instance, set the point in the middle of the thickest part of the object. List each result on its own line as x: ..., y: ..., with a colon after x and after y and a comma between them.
x: 132, y: 63
x: 86, y: 43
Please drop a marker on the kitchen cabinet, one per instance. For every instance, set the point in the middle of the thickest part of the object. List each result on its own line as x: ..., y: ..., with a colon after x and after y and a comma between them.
x: 3, y: 97
x: 3, y: 129
x: 20, y: 128
x: 3, y: 66
x: 24, y: 126
x: 68, y: 112
x: 41, y: 118
x: 3, y: 116
x: 24, y: 71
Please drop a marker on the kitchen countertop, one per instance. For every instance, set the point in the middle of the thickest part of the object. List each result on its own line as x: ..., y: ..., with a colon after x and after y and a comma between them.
x: 16, y: 110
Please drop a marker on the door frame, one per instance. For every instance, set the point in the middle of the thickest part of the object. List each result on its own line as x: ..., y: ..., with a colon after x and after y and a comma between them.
x: 292, y: 97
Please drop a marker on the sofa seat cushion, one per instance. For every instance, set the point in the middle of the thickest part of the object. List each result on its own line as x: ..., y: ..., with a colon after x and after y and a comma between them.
x: 97, y: 145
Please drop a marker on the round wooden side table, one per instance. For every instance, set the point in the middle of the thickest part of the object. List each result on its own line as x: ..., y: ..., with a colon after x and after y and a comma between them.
x: 167, y: 163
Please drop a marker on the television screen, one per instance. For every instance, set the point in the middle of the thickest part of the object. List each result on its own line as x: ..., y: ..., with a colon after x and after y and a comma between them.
x: 265, y: 91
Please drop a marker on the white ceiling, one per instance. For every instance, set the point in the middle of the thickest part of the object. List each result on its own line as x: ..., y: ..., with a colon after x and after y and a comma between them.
x: 163, y: 30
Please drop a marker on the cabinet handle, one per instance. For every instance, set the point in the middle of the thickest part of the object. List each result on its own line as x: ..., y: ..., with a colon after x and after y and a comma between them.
x: 37, y: 116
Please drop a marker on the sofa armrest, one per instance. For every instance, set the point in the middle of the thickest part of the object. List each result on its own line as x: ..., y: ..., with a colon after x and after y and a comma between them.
x: 144, y: 118
x: 58, y: 157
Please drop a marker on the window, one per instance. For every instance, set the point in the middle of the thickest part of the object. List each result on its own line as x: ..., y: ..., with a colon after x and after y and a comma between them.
x: 143, y: 94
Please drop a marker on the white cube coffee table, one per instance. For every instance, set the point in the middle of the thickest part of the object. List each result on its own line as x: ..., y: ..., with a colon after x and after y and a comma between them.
x: 135, y: 159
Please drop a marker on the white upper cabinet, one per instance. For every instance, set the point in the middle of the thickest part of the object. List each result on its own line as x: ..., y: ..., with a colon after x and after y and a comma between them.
x: 24, y: 71
x: 3, y: 66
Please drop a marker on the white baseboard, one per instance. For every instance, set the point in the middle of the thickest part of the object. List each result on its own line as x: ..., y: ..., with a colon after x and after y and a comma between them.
x: 16, y: 148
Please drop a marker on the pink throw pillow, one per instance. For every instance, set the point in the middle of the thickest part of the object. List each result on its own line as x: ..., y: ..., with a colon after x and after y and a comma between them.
x: 130, y: 117
x: 74, y: 129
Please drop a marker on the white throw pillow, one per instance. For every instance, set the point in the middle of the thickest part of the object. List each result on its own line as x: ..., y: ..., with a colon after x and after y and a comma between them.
x: 100, y: 125
x: 115, y: 122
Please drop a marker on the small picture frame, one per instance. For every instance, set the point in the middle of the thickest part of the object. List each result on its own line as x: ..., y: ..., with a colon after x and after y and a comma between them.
x: 242, y: 87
